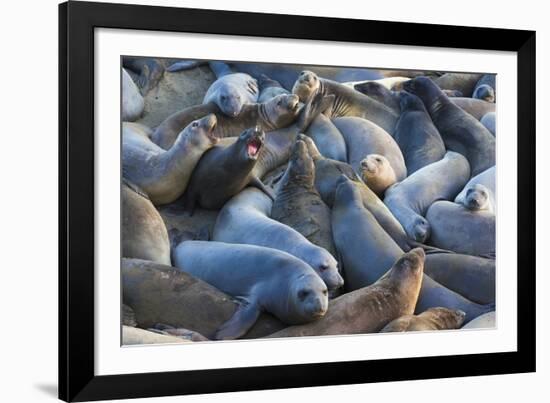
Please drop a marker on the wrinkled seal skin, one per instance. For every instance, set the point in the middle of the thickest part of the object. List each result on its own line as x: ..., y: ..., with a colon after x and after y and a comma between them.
x: 144, y: 234
x: 471, y: 276
x: 475, y: 107
x: 132, y: 101
x: 163, y: 294
x: 231, y: 91
x: 460, y: 131
x: 276, y: 113
x: 263, y: 279
x: 369, y: 309
x: 485, y: 88
x: 464, y: 83
x: 489, y: 121
x: 461, y: 230
x: 416, y: 134
x: 432, y: 319
x: 245, y: 220
x: 298, y: 204
x: 473, y: 198
x: 347, y: 102
x: 225, y: 170
x: 380, y: 93
x: 164, y: 174
x: 409, y: 200
x: 363, y: 138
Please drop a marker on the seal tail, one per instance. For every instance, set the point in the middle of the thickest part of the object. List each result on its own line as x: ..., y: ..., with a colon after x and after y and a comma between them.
x: 184, y: 65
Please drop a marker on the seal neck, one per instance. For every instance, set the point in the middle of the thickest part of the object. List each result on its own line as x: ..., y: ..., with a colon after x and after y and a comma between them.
x: 263, y: 114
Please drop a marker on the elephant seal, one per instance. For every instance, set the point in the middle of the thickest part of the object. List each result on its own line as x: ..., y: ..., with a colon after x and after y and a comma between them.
x: 460, y: 131
x: 269, y: 88
x: 276, y: 113
x: 379, y: 93
x: 164, y: 174
x: 377, y: 172
x: 363, y: 138
x: 132, y: 101
x: 391, y: 83
x: 327, y: 138
x: 231, y: 91
x: 369, y: 309
x: 357, y: 234
x: 298, y: 204
x: 225, y: 170
x: 485, y: 321
x: 485, y: 88
x: 135, y: 336
x: 456, y: 228
x: 409, y: 200
x: 463, y: 82
x: 475, y: 107
x: 479, y: 192
x: 489, y: 121
x: 471, y: 276
x: 245, y: 220
x: 432, y: 319
x: 144, y: 234
x: 160, y: 294
x: 263, y: 279
x: 416, y: 135
x: 347, y: 102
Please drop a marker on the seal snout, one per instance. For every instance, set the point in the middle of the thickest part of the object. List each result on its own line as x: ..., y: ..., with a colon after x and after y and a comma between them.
x: 255, y: 142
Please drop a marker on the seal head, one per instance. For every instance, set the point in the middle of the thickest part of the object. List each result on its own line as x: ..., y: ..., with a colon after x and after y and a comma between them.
x: 306, y: 85
x: 200, y: 133
x: 307, y: 299
x: 230, y: 100
x: 377, y: 173
x: 484, y: 92
x: 281, y: 110
x: 477, y: 198
x: 251, y: 142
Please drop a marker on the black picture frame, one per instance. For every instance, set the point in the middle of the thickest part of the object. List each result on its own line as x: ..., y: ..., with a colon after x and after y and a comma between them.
x: 77, y: 21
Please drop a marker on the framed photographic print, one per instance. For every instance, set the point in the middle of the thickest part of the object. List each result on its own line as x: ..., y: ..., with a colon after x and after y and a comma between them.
x: 258, y: 201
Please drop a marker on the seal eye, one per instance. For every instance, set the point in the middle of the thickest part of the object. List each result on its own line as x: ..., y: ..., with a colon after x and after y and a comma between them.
x: 279, y: 103
x: 223, y: 97
x: 325, y: 292
x: 378, y: 159
x: 323, y: 267
x: 195, y: 124
x: 302, y: 294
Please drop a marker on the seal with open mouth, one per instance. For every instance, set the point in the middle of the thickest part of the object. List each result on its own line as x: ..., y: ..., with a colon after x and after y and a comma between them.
x: 275, y: 113
x: 225, y: 170
x: 164, y: 174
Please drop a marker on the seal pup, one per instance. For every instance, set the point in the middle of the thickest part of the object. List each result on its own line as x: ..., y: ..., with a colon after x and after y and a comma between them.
x: 263, y: 279
x: 144, y: 234
x: 475, y: 107
x: 416, y: 135
x: 245, y: 220
x: 225, y: 170
x: 347, y: 102
x: 485, y: 88
x: 160, y: 294
x: 369, y: 309
x: 432, y: 319
x: 231, y: 91
x: 471, y: 276
x: 377, y: 172
x: 479, y: 192
x: 456, y: 228
x: 488, y: 120
x: 276, y: 113
x: 363, y: 138
x: 460, y: 131
x: 463, y: 82
x: 297, y: 202
x: 164, y: 174
x: 409, y: 200
x: 132, y: 101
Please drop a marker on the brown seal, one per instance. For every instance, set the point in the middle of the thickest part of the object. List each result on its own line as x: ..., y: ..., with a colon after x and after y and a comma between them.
x: 432, y: 319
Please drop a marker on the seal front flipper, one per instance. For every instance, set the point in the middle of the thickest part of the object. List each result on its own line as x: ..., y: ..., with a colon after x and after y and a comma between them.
x: 242, y: 320
x: 257, y: 183
x: 314, y: 106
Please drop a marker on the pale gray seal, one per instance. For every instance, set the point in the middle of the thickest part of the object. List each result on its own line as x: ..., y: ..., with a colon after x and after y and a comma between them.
x: 164, y: 174
x: 132, y: 101
x: 460, y: 131
x: 245, y: 220
x: 432, y: 319
x: 263, y: 279
x: 485, y: 321
x: 409, y: 200
x: 479, y: 192
x: 231, y: 91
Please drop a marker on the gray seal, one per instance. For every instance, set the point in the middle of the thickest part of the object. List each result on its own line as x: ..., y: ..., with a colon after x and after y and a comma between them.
x: 245, y: 220
x: 144, y: 234
x: 432, y: 319
x: 132, y: 101
x: 327, y: 138
x: 225, y: 170
x: 380, y: 93
x: 263, y: 279
x: 479, y: 192
x: 416, y: 134
x: 470, y: 276
x: 463, y: 82
x: 475, y: 107
x: 485, y: 321
x: 456, y: 228
x: 460, y: 131
x: 369, y: 309
x: 409, y: 200
x: 231, y: 91
x: 485, y: 88
x: 489, y: 121
x: 297, y: 202
x: 164, y: 174
x: 347, y: 101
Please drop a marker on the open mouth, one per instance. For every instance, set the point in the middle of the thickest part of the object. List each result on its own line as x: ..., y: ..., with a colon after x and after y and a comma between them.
x: 253, y: 147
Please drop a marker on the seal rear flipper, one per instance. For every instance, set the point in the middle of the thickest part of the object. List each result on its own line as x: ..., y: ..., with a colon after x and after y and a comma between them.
x: 257, y: 183
x: 314, y: 106
x: 242, y: 320
x: 184, y: 65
